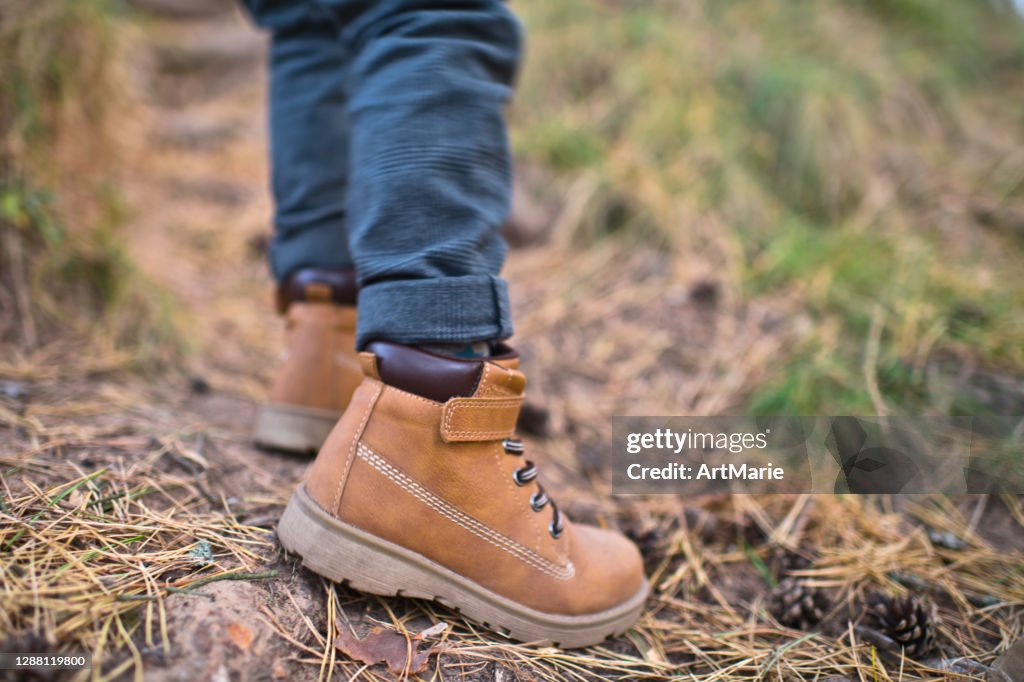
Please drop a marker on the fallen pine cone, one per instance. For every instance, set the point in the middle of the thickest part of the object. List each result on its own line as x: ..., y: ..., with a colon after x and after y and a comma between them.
x: 651, y: 540
x: 796, y: 604
x: 905, y: 620
x: 783, y: 562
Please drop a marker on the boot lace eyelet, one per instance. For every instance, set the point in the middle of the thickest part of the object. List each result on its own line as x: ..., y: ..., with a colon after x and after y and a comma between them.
x: 555, y: 529
x: 525, y: 474
x: 557, y: 524
x: 513, y: 446
x: 538, y: 500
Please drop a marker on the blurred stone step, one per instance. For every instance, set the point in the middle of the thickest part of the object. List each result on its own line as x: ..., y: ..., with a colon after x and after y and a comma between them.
x: 204, y: 62
x: 214, y: 48
x: 210, y: 190
x: 188, y: 132
x: 184, y: 9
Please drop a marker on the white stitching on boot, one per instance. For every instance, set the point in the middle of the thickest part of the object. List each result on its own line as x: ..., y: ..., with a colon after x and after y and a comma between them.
x: 491, y: 536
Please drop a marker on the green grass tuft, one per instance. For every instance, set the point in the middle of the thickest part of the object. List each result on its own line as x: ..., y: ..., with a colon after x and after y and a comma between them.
x: 63, y: 269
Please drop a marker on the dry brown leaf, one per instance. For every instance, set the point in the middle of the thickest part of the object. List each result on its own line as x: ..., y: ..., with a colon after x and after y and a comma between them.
x: 240, y: 635
x: 401, y: 653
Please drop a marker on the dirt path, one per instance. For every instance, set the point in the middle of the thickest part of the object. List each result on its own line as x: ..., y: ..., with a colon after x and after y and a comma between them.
x: 196, y: 186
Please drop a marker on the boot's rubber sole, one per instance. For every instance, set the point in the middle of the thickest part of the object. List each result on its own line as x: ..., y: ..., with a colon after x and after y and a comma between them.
x: 367, y: 563
x: 293, y: 427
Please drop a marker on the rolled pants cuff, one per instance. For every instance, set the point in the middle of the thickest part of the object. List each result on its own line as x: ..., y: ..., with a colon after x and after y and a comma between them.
x: 446, y: 310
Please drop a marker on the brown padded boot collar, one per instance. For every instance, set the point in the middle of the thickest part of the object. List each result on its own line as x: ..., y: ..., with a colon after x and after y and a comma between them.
x: 478, y: 419
x: 318, y: 286
x: 431, y: 376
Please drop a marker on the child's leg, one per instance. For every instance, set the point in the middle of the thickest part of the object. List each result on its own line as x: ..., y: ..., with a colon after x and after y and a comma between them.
x: 309, y: 136
x: 422, y: 488
x: 309, y: 144
x: 430, y: 169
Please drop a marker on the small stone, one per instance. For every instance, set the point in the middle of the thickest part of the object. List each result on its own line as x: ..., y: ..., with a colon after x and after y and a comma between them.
x: 202, y: 553
x: 199, y: 385
x: 947, y: 540
x: 1010, y: 664
x: 16, y: 390
x: 535, y: 420
x: 705, y: 292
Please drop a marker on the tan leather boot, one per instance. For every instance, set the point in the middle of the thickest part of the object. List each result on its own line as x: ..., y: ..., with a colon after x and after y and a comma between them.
x: 320, y: 371
x: 422, y: 490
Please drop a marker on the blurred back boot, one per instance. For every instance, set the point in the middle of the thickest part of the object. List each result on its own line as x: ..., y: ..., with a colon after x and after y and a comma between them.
x: 422, y: 490
x: 320, y: 370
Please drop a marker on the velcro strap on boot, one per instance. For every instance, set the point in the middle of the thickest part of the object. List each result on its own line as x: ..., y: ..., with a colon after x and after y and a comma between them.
x: 479, y: 419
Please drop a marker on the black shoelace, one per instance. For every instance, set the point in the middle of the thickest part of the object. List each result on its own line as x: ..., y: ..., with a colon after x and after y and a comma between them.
x: 523, y: 476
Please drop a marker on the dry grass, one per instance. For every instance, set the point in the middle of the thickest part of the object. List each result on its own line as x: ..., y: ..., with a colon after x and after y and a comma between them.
x: 98, y: 529
x: 706, y: 618
x: 112, y: 536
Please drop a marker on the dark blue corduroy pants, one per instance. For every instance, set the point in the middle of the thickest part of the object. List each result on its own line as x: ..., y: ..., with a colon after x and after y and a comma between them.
x: 390, y: 154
